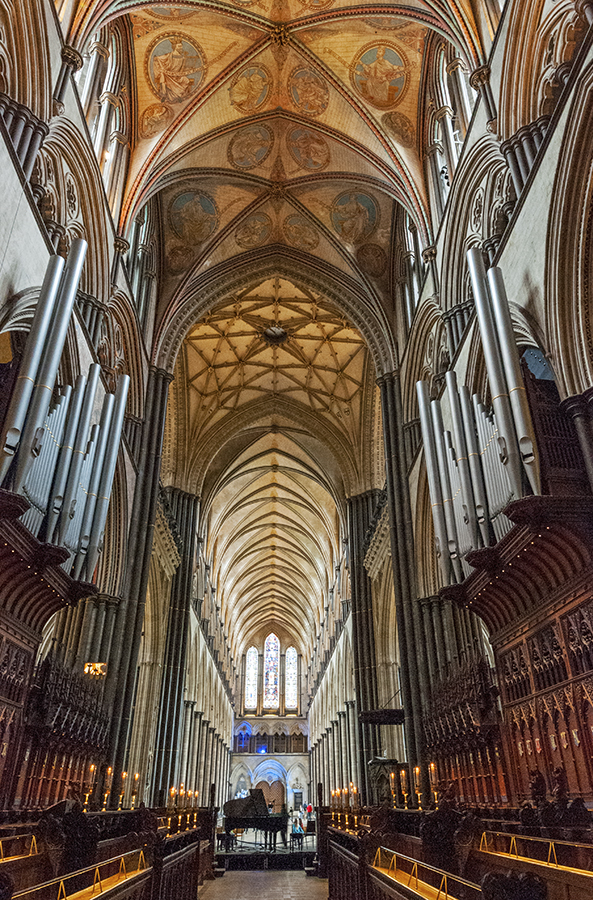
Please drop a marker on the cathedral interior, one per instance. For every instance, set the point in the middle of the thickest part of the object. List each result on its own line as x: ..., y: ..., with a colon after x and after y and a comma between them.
x: 296, y: 451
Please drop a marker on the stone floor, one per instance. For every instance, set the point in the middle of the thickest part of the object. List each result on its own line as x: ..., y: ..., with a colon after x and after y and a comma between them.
x: 264, y: 886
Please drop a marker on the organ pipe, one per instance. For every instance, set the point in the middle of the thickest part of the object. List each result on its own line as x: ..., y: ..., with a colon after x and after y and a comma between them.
x: 453, y: 542
x: 434, y: 484
x: 500, y: 398
x: 514, y: 377
x: 65, y: 456
x: 78, y: 453
x: 49, y: 362
x: 107, y: 475
x: 461, y: 456
x: 35, y: 346
x: 91, y: 499
x: 475, y: 467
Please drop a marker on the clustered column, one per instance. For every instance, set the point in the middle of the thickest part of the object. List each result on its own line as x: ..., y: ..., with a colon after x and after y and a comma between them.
x: 363, y: 633
x: 185, y: 508
x: 414, y: 672
x: 129, y: 620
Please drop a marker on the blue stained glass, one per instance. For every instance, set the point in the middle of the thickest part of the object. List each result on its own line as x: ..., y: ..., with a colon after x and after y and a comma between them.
x: 251, y: 679
x: 271, y: 672
x: 290, y: 690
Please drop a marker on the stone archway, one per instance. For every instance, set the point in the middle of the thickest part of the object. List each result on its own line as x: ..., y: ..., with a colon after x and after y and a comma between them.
x: 274, y: 793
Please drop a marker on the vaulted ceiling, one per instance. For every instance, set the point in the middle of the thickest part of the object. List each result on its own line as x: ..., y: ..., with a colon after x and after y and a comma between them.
x: 294, y: 128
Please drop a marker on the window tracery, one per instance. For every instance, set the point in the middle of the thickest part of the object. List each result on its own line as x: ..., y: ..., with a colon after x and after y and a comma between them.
x: 271, y: 672
x: 291, y: 679
x: 251, y: 679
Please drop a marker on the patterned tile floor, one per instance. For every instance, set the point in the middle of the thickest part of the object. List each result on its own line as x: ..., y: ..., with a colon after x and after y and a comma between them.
x: 264, y: 886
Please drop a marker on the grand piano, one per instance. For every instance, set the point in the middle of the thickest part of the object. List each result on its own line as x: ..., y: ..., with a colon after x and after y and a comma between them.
x: 252, y: 812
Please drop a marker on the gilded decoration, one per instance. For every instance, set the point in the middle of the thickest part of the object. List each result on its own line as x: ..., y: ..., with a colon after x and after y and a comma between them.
x: 250, y: 146
x: 400, y: 127
x: 171, y: 13
x: 308, y: 148
x: 354, y: 216
x: 380, y: 75
x: 316, y: 4
x: 308, y: 91
x: 250, y: 88
x: 193, y: 216
x: 175, y: 67
x: 300, y: 233
x: 254, y: 231
x: 155, y: 119
x: 372, y: 259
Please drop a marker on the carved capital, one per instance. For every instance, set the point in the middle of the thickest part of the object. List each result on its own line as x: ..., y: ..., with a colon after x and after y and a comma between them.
x: 120, y: 245
x: 72, y: 58
x: 444, y: 111
x: 479, y: 77
x: 456, y: 63
x: 429, y: 254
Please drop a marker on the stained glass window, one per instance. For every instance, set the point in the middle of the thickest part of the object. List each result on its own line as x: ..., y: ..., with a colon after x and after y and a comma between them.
x: 271, y: 672
x: 251, y: 679
x: 290, y: 690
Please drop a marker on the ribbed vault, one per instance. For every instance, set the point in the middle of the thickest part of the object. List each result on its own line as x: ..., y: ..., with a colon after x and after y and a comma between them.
x: 274, y: 484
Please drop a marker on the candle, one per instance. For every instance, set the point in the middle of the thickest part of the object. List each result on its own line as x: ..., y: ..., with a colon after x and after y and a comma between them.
x: 432, y: 771
x: 417, y: 779
x: 403, y: 780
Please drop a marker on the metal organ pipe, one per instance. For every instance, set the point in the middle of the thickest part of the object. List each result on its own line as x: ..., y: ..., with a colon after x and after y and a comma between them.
x: 65, y: 457
x: 78, y: 453
x: 514, y: 377
x: 434, y: 483
x: 461, y: 456
x: 453, y: 542
x: 35, y: 346
x: 49, y: 362
x: 91, y: 500
x: 498, y: 385
x: 107, y: 475
x: 475, y: 466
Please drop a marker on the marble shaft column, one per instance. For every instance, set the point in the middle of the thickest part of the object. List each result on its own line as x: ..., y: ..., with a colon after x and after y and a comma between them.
x: 202, y: 762
x: 365, y: 670
x: 349, y: 769
x: 210, y: 761
x: 414, y: 673
x: 343, y: 748
x: 188, y: 718
x: 185, y: 508
x: 129, y: 619
x: 334, y: 754
x: 195, y: 751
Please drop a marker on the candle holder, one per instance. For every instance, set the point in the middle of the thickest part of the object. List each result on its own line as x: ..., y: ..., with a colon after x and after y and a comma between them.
x: 418, y: 786
x: 403, y: 781
x: 434, y: 782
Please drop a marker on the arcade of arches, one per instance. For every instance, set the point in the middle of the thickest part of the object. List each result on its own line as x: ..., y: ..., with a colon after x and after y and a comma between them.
x: 297, y: 384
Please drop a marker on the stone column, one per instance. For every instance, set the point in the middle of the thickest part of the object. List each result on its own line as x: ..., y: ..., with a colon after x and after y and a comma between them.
x: 445, y: 115
x: 360, y: 511
x: 463, y: 106
x: 99, y: 55
x: 577, y: 407
x: 201, y: 779
x: 129, y: 621
x: 343, y: 744
x: 414, y: 673
x: 185, y: 508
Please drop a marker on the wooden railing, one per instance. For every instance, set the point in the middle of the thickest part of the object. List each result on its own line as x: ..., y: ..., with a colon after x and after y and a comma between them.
x: 26, y: 845
x: 541, y: 851
x: 92, y: 881
x: 424, y: 880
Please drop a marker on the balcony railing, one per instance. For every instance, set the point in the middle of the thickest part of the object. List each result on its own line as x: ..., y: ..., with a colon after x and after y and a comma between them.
x: 424, y: 880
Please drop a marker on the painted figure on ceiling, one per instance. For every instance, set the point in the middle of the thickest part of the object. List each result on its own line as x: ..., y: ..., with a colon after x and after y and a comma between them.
x: 172, y: 71
x: 379, y: 76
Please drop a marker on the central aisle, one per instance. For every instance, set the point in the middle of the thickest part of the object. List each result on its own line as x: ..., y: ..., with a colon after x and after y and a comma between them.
x: 264, y: 886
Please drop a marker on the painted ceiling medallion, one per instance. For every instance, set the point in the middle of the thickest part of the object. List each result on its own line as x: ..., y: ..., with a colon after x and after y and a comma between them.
x: 250, y: 146
x: 155, y: 119
x: 254, y: 231
x: 250, y: 88
x: 380, y: 75
x: 193, y: 216
x: 175, y: 67
x: 171, y: 13
x: 400, y: 127
x: 300, y: 233
x: 308, y: 91
x: 372, y: 259
x: 354, y: 216
x: 308, y: 148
